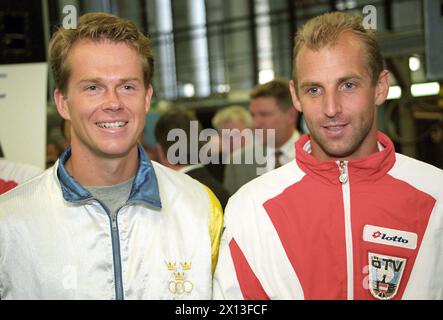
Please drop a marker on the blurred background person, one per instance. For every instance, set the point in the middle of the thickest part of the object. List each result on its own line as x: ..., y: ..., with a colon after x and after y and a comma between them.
x: 271, y: 109
x: 180, y: 118
x: 231, y: 119
x: 229, y: 122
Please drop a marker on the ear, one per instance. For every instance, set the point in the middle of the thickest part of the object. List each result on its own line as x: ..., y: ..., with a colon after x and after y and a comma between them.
x: 148, y: 97
x: 295, y: 100
x: 62, y: 104
x: 382, y: 87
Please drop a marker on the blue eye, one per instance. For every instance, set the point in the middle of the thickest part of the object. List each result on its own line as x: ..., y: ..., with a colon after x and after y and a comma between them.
x: 349, y: 85
x: 92, y: 88
x: 314, y: 90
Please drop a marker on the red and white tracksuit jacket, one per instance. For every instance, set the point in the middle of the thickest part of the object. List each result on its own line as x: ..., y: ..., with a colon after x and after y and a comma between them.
x: 363, y: 229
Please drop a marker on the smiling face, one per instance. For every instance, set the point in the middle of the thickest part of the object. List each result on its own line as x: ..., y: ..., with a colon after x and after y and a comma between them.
x: 106, y: 99
x: 335, y: 94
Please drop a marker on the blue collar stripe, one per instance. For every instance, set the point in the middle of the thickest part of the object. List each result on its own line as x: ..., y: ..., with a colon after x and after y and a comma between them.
x: 144, y: 188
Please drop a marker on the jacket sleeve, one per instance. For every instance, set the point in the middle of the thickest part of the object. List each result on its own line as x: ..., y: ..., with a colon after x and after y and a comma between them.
x: 234, y: 278
x: 215, y: 226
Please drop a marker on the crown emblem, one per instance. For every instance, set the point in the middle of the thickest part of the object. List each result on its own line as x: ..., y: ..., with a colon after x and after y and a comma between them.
x: 186, y: 265
x: 171, y: 266
x: 179, y: 276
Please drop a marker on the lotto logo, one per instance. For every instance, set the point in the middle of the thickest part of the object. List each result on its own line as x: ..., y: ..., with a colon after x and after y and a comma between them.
x: 390, y: 237
x: 383, y: 236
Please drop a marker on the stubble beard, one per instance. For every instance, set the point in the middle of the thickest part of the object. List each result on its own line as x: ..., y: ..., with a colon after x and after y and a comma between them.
x: 346, y: 146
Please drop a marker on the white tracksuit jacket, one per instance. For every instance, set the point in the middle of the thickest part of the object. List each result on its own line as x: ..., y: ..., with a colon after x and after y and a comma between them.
x: 58, y: 242
x: 364, y: 229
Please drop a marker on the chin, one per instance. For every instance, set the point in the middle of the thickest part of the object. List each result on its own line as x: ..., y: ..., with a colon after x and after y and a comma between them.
x: 117, y: 151
x: 339, y: 153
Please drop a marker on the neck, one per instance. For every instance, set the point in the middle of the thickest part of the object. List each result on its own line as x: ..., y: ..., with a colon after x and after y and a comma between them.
x: 92, y: 170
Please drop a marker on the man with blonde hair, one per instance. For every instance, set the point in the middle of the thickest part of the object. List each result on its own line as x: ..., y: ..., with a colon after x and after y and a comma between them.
x: 105, y: 222
x: 350, y: 218
x: 232, y: 124
x: 232, y: 117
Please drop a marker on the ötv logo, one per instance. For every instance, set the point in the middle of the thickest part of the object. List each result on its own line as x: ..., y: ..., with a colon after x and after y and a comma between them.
x: 383, y: 236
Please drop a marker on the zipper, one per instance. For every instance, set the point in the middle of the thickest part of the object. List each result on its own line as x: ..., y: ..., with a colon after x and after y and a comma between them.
x: 344, y: 180
x: 118, y: 278
x: 115, y: 240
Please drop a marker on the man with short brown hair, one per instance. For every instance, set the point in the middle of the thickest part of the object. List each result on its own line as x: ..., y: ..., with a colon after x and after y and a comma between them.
x: 105, y: 222
x: 272, y: 111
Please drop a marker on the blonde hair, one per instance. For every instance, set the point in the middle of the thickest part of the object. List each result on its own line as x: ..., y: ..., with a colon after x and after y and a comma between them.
x: 232, y: 113
x: 325, y: 29
x: 97, y: 27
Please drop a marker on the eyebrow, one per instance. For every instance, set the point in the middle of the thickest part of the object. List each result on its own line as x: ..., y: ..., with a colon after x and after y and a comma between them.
x: 348, y: 77
x: 306, y: 84
x: 123, y: 80
x: 352, y: 76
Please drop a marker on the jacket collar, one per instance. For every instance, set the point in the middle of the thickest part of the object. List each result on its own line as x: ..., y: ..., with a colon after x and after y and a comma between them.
x: 144, y: 188
x: 370, y: 168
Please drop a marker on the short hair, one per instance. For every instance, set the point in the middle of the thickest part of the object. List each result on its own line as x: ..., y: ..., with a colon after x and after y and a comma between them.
x: 278, y: 89
x: 176, y: 118
x: 324, y: 30
x: 232, y: 113
x: 97, y: 27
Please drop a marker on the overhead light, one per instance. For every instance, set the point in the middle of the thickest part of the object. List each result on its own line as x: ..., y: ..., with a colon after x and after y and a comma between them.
x: 394, y: 93
x: 188, y: 90
x: 414, y: 63
x: 265, y: 76
x: 222, y: 88
x: 425, y: 89
x: 351, y: 4
x: 346, y: 5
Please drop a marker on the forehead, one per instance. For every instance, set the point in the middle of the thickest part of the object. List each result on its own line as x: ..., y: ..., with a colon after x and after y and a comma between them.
x: 264, y: 104
x: 85, y: 52
x: 343, y: 57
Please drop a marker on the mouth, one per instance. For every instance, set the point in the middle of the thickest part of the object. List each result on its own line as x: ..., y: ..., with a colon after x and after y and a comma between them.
x: 109, y: 125
x: 335, y: 130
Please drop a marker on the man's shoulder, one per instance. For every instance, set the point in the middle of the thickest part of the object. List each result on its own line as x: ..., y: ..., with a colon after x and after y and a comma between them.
x: 35, y: 191
x: 36, y: 180
x: 271, y: 183
x: 180, y: 194
x: 404, y: 162
x: 18, y: 172
x: 174, y: 180
x: 418, y: 174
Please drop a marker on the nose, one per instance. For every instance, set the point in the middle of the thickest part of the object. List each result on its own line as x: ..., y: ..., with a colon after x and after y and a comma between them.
x: 332, y: 105
x: 112, y: 100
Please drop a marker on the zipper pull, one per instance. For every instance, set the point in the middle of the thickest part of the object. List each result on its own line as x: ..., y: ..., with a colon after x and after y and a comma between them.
x: 343, y: 172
